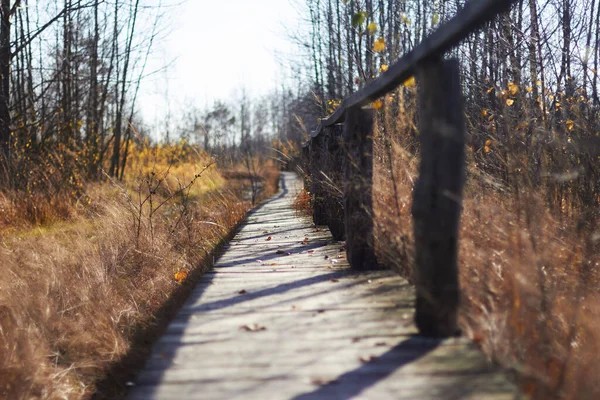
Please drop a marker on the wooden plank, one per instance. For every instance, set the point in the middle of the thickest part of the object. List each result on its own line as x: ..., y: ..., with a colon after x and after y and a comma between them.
x: 307, y: 334
x: 437, y: 197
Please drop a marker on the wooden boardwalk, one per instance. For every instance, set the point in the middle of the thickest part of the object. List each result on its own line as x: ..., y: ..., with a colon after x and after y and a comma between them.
x: 282, y: 317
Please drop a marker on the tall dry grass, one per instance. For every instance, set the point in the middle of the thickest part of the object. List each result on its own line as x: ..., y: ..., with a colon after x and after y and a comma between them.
x: 83, y: 294
x: 530, y: 277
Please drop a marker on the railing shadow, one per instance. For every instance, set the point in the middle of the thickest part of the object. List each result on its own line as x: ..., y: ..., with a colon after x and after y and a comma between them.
x: 354, y: 382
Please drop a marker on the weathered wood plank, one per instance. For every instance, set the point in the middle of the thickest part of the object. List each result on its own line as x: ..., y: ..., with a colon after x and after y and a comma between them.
x: 310, y: 333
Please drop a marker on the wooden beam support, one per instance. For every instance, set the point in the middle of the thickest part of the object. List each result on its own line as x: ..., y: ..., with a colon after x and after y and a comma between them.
x: 358, y: 177
x: 316, y: 187
x: 437, y: 197
x: 334, y: 177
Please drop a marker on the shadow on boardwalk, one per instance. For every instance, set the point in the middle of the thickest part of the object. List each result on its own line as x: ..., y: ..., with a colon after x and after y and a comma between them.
x: 282, y: 317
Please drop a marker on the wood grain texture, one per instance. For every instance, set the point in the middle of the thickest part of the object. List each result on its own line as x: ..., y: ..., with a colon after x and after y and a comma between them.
x: 286, y: 318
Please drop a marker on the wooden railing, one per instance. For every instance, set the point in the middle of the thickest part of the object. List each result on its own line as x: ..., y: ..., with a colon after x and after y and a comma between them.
x: 339, y: 154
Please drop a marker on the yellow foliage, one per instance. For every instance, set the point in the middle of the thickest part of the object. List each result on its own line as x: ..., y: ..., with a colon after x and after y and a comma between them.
x: 372, y: 28
x: 383, y: 68
x: 510, y: 102
x: 178, y: 164
x: 377, y: 104
x: 410, y: 82
x: 513, y: 88
x: 487, y: 147
x: 570, y: 124
x: 379, y: 45
x: 404, y: 18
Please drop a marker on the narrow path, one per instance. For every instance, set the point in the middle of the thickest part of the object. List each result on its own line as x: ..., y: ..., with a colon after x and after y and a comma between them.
x: 282, y: 317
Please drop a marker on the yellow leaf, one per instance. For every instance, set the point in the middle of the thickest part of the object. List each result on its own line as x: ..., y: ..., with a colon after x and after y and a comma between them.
x: 180, y: 276
x: 377, y: 104
x: 570, y: 124
x: 372, y: 28
x: 436, y: 18
x: 484, y: 113
x: 510, y: 102
x: 529, y: 89
x: 404, y: 19
x: 513, y: 88
x: 410, y: 82
x: 383, y: 68
x: 488, y: 142
x: 379, y: 45
x: 489, y: 90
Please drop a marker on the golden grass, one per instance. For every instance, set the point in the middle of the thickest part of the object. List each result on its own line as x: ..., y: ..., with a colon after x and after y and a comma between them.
x: 83, y: 295
x: 530, y: 280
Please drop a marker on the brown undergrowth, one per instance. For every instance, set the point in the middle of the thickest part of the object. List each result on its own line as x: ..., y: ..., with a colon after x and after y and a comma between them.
x: 529, y: 278
x: 83, y: 294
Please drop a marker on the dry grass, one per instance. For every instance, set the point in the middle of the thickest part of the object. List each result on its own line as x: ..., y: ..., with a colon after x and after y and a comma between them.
x: 83, y: 295
x: 530, y: 279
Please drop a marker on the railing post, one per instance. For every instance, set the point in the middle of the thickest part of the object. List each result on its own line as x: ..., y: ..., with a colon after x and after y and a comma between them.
x: 316, y: 186
x: 358, y: 177
x: 305, y: 172
x: 335, y: 180
x: 437, y: 197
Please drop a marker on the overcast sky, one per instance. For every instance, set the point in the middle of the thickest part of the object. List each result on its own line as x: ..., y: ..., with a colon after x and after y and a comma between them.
x: 215, y: 47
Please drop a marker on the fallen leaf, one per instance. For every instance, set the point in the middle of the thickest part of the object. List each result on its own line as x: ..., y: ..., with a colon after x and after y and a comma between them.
x: 335, y: 280
x: 355, y: 340
x: 269, y: 238
x: 252, y: 328
x: 180, y: 276
x: 322, y: 381
x: 243, y: 291
x: 280, y: 252
x: 310, y: 251
x: 381, y: 344
x: 367, y: 359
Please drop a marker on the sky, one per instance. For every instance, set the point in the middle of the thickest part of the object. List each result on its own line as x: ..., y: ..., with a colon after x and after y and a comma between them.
x: 213, y: 48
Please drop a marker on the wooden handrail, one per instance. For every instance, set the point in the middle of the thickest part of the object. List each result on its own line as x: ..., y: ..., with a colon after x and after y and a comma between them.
x: 337, y: 157
x: 473, y: 16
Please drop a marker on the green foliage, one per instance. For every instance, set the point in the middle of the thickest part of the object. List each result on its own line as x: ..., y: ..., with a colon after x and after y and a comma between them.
x: 359, y: 18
